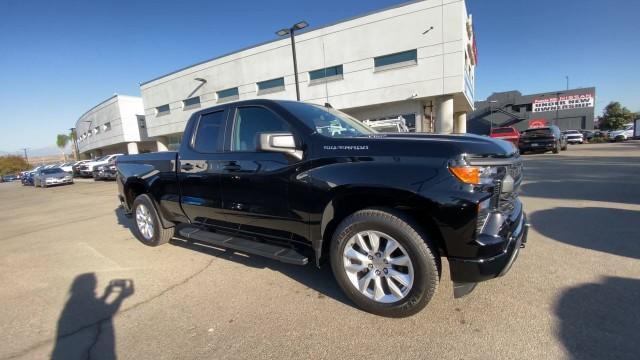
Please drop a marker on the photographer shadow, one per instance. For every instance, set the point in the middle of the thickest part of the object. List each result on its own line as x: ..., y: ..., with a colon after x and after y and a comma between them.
x: 85, y: 327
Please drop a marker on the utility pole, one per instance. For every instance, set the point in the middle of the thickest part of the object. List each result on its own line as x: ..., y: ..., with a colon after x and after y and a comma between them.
x: 26, y: 158
x: 567, y: 77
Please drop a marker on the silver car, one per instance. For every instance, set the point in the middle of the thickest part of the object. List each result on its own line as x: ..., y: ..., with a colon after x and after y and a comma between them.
x: 53, y: 176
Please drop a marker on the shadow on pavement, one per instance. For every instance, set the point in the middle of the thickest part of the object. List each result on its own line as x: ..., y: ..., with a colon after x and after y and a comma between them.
x: 124, y: 220
x: 320, y: 280
x: 601, y: 320
x: 613, y: 231
x: 85, y: 329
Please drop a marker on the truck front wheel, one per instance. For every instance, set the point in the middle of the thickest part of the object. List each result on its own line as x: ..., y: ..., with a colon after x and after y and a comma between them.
x: 384, y: 263
x: 148, y: 228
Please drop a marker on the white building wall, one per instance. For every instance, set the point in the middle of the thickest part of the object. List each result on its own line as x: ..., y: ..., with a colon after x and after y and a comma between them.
x: 353, y: 44
x: 119, y: 112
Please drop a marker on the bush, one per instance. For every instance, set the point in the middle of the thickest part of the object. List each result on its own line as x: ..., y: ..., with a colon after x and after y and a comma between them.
x: 11, y: 164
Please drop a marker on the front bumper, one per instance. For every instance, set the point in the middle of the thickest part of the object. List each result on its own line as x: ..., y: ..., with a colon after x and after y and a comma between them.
x: 513, y: 234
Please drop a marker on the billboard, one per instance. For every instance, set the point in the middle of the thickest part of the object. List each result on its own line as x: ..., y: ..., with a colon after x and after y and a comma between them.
x: 563, y: 102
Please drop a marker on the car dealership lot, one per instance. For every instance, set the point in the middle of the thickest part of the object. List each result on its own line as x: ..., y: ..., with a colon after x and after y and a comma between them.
x: 573, y: 292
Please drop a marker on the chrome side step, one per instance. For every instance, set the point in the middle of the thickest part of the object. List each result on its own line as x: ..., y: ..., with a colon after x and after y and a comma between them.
x: 271, y: 251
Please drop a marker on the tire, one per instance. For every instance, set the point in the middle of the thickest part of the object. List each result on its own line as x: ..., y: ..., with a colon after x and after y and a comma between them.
x: 158, y: 235
x: 414, y: 243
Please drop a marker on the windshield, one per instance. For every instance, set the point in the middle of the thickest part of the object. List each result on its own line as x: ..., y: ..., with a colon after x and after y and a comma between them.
x: 101, y: 159
x: 327, y: 121
x: 52, y: 171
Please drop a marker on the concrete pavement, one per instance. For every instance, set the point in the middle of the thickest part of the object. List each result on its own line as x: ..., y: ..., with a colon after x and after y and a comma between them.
x: 572, y: 294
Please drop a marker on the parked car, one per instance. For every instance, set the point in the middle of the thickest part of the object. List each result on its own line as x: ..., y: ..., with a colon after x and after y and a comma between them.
x: 67, y: 167
x: 87, y: 168
x: 286, y: 184
x: 588, y: 134
x: 52, y: 176
x: 9, y: 178
x: 542, y: 139
x: 27, y: 178
x: 574, y: 136
x: 105, y: 172
x: 621, y: 135
x: 75, y: 168
x: 508, y: 133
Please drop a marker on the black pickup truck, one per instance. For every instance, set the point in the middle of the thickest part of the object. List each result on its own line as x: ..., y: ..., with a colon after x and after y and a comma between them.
x: 294, y: 181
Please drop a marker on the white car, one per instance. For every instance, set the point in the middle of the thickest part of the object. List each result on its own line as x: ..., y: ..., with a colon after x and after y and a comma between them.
x: 66, y: 167
x: 574, y: 136
x: 86, y: 169
x: 621, y: 135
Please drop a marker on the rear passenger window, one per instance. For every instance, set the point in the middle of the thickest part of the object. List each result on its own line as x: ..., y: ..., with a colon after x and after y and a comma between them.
x: 209, y: 133
x: 252, y: 121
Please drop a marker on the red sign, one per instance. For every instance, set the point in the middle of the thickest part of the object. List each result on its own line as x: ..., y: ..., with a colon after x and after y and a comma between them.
x: 537, y: 123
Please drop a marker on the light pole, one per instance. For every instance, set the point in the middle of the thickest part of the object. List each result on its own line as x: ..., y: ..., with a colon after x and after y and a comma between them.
x: 290, y: 31
x: 567, y: 77
x: 26, y: 158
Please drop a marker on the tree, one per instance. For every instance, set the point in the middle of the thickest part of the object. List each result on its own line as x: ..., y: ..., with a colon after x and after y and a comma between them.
x: 11, y: 164
x: 61, y: 141
x: 615, y: 116
x: 72, y: 138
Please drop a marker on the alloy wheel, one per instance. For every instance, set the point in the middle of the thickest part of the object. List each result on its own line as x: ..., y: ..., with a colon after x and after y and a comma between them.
x: 144, y: 221
x: 378, y: 266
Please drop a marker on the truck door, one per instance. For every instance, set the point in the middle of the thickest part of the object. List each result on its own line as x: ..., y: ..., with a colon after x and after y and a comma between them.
x: 255, y: 184
x: 199, y: 170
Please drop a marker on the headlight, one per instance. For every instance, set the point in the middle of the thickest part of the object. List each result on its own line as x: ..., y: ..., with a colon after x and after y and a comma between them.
x: 475, y: 174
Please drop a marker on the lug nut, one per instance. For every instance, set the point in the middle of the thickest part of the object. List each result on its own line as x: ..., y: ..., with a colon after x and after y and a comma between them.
x: 378, y: 255
x: 377, y: 272
x: 385, y: 271
x: 370, y: 266
x: 370, y: 257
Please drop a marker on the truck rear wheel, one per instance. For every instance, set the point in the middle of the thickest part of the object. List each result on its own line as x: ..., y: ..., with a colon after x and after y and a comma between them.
x: 384, y: 263
x: 148, y: 227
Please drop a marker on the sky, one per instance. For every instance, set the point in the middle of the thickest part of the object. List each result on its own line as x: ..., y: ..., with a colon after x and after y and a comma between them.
x: 60, y: 58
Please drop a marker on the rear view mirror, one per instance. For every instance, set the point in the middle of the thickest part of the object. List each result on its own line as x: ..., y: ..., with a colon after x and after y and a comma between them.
x: 279, y: 142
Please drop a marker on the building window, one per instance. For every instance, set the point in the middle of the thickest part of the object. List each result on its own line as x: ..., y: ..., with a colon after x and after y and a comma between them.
x: 270, y: 86
x: 326, y: 74
x: 163, y: 110
x: 191, y: 103
x: 142, y: 123
x: 228, y: 95
x: 396, y: 60
x: 96, y: 130
x: 106, y: 126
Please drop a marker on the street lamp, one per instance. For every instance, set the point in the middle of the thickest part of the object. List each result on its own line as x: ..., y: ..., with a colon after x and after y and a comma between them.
x: 290, y: 31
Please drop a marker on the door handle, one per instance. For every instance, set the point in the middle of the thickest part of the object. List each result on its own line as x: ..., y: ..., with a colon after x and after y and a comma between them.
x: 186, y: 167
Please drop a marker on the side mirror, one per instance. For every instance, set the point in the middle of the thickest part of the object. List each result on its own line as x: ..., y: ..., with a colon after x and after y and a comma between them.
x: 279, y: 142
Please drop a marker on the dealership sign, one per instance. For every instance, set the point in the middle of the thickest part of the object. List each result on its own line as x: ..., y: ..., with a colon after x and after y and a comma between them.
x: 537, y: 123
x: 563, y: 102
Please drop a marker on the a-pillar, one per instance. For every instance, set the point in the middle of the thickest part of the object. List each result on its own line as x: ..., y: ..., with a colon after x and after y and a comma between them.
x: 132, y: 148
x: 444, y: 115
x: 460, y: 123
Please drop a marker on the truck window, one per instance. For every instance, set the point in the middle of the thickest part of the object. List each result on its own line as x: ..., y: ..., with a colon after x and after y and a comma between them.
x: 209, y: 133
x: 251, y: 121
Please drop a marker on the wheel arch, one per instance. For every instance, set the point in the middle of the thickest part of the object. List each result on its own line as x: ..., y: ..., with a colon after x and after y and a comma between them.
x: 348, y: 200
x: 136, y: 187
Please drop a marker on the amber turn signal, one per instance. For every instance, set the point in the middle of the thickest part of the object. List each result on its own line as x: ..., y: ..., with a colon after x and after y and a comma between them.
x: 466, y: 174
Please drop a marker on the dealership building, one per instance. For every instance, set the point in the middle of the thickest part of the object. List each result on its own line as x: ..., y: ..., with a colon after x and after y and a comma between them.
x: 415, y: 60
x: 568, y: 109
x: 114, y: 126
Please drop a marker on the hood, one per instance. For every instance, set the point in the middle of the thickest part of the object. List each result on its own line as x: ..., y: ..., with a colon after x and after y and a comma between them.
x: 421, y: 144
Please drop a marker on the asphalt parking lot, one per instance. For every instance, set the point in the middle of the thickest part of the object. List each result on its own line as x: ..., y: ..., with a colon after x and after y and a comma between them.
x: 574, y: 292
